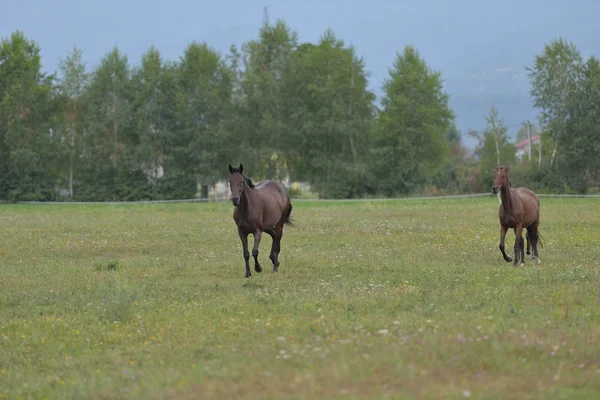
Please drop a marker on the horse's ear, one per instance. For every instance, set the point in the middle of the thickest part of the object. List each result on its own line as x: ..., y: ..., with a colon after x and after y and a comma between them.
x: 230, y: 169
x: 241, y: 169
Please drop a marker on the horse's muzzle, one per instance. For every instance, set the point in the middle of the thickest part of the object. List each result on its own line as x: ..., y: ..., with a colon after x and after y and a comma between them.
x: 235, y: 201
x: 495, y: 189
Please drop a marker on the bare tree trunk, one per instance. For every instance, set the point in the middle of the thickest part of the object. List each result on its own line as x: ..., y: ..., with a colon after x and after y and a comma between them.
x: 540, y: 151
x: 115, y: 132
x: 72, y: 150
x: 529, y: 134
x: 497, y: 147
x: 350, y: 111
x: 71, y: 176
x: 554, y: 151
x: 562, y: 123
x: 354, y: 155
x: 116, y: 143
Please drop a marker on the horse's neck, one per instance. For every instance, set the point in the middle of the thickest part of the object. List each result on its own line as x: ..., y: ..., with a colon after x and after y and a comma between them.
x: 505, y: 197
x: 248, y: 199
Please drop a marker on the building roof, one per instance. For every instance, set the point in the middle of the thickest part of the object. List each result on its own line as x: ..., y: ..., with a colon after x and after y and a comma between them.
x: 524, y: 142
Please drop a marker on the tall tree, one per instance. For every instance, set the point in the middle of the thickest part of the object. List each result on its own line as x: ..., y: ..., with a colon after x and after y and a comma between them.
x: 72, y: 86
x: 263, y: 125
x: 109, y: 139
x: 454, y: 138
x: 411, y: 132
x: 204, y: 103
x: 27, y: 111
x: 554, y: 77
x: 330, y: 114
x: 495, y: 147
x: 153, y: 113
x: 497, y: 130
x: 579, y: 160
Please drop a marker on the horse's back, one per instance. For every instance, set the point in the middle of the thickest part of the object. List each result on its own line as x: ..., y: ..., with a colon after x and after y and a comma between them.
x: 531, y: 205
x: 273, y: 193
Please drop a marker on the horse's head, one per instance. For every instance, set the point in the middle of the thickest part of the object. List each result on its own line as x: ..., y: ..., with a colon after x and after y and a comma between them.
x: 236, y: 183
x: 500, y: 178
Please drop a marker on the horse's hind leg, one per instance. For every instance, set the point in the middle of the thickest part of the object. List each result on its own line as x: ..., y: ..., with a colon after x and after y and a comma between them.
x: 522, y: 249
x: 276, y: 247
x: 273, y: 233
x: 534, y: 242
x: 257, y: 236
x: 519, y: 253
x: 527, y: 236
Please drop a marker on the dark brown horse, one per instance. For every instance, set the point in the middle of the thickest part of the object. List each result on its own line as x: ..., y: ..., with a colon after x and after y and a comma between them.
x: 519, y: 208
x: 264, y: 207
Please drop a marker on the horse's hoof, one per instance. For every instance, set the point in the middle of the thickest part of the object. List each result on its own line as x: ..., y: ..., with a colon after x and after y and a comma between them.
x: 258, y: 268
x: 247, y: 275
x: 522, y: 264
x: 539, y: 261
x: 275, y: 270
x: 508, y: 259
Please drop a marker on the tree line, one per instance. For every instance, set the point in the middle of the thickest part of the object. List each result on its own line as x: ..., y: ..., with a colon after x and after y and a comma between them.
x: 161, y: 129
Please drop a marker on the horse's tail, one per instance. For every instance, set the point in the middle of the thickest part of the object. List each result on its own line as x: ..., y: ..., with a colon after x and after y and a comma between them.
x: 540, y: 238
x: 288, y: 218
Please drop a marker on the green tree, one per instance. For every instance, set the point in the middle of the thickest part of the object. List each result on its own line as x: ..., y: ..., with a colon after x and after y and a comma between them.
x: 579, y: 160
x: 27, y: 111
x: 453, y: 177
x: 109, y: 139
x: 454, y: 138
x: 555, y: 77
x: 330, y: 114
x: 203, y: 105
x: 153, y: 84
x: 72, y: 86
x: 411, y: 128
x: 495, y: 147
x: 263, y: 118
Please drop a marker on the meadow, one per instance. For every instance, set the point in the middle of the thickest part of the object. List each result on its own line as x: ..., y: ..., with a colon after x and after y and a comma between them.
x: 373, y: 299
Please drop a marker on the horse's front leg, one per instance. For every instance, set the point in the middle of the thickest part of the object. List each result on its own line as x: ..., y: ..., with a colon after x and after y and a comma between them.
x: 244, y: 239
x: 503, y: 230
x: 257, y: 236
x: 519, y: 246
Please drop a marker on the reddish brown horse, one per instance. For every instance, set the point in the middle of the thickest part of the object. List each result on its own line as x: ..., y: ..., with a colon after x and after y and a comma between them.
x: 264, y: 207
x: 519, y: 208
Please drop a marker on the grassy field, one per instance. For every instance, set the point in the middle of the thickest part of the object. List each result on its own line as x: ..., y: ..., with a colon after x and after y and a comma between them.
x: 394, y: 299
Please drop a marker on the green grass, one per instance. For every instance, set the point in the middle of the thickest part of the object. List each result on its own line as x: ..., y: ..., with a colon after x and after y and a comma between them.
x: 393, y: 299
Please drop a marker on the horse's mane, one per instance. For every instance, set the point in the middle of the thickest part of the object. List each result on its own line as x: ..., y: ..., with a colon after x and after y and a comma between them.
x: 248, y: 180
